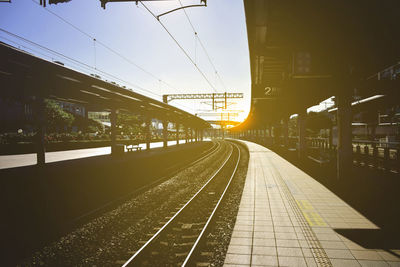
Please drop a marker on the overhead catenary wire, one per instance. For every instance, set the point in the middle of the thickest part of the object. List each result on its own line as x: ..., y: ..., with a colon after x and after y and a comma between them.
x: 96, y: 41
x: 83, y: 67
x: 75, y: 61
x: 78, y: 65
x: 181, y: 47
x: 202, y: 46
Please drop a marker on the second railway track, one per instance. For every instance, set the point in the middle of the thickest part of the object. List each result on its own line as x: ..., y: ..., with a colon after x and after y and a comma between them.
x: 175, y: 242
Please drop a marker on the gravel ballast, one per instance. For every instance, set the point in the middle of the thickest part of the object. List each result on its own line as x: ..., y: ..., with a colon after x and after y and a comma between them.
x: 112, y: 238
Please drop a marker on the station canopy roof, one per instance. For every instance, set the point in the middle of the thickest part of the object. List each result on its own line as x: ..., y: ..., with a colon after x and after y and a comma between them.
x: 302, y: 52
x: 23, y: 75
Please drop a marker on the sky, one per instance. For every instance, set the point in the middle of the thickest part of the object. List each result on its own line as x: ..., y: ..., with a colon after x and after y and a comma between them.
x: 134, y: 33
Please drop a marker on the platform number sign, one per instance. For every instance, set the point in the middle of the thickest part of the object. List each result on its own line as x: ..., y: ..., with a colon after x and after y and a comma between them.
x: 267, y: 91
x: 270, y: 91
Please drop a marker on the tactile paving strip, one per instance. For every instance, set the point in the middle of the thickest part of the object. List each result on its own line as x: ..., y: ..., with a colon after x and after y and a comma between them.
x: 318, y: 252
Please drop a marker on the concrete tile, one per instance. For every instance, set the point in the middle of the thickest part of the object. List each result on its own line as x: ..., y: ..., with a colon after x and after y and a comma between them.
x: 366, y: 255
x: 368, y: 263
x: 244, y: 222
x: 323, y: 230
x: 245, y: 217
x: 287, y: 243
x: 344, y: 263
x: 304, y: 244
x: 237, y: 259
x: 286, y: 236
x: 245, y: 213
x: 262, y: 216
x: 237, y: 249
x: 292, y: 261
x: 265, y: 223
x: 388, y: 256
x: 245, y: 234
x: 264, y: 260
x: 339, y: 254
x: 311, y: 262
x: 246, y: 209
x: 262, y: 250
x: 327, y: 237
x: 307, y: 252
x: 283, y: 223
x: 262, y: 228
x: 284, y: 229
x: 282, y: 219
x: 353, y: 245
x: 340, y: 225
x: 265, y: 242
x: 300, y: 236
x: 333, y: 244
x: 290, y: 252
x: 264, y: 235
x: 243, y: 227
x: 241, y: 241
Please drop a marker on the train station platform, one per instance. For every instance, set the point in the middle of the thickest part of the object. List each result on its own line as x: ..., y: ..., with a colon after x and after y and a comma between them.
x: 21, y: 160
x: 286, y: 218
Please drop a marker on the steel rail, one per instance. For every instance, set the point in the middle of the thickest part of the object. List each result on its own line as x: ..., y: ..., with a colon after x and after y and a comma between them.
x: 178, y: 212
x: 208, y: 153
x: 213, y: 212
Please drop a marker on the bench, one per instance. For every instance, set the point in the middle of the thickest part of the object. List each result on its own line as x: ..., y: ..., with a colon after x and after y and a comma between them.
x: 133, y: 147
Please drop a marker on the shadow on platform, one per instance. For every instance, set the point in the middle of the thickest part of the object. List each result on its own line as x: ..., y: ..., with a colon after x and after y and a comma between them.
x: 373, y: 239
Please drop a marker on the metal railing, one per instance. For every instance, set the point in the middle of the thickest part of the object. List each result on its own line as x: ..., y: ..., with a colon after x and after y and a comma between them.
x: 374, y: 154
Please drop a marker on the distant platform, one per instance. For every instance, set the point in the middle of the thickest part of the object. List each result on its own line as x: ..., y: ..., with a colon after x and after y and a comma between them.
x: 286, y: 218
x: 13, y: 161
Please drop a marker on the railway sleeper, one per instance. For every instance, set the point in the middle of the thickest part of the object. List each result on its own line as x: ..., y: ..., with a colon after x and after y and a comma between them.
x: 207, y: 254
x: 186, y: 244
x: 187, y: 226
x: 163, y: 243
x: 189, y: 236
x: 181, y: 255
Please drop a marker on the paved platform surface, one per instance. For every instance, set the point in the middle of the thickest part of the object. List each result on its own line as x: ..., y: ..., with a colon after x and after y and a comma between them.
x: 12, y: 161
x: 286, y: 218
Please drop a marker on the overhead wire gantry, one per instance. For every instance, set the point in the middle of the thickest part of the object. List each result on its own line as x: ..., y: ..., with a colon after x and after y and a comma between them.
x: 212, y: 96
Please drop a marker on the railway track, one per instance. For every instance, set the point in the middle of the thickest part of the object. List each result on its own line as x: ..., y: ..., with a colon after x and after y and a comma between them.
x: 177, y: 239
x: 102, y: 241
x: 171, y: 172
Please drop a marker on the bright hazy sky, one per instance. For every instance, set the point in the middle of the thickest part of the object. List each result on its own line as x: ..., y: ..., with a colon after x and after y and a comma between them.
x: 133, y: 32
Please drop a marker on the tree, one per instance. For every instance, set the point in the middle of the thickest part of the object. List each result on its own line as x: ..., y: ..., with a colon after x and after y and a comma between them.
x: 129, y: 123
x: 57, y: 119
x: 87, y: 125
